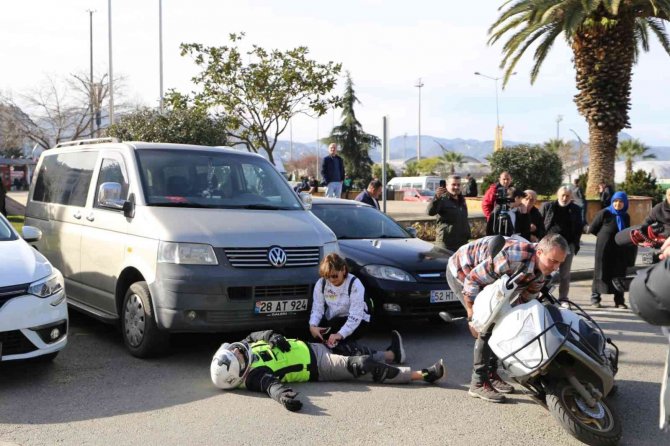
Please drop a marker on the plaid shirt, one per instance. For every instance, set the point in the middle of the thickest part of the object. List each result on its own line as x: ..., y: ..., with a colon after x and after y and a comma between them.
x: 472, y: 267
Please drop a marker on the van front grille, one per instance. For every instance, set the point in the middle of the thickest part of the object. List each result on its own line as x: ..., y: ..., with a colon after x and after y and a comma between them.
x: 258, y: 257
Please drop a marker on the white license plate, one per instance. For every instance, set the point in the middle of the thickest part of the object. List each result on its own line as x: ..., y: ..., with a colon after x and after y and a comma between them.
x: 280, y: 306
x: 437, y: 296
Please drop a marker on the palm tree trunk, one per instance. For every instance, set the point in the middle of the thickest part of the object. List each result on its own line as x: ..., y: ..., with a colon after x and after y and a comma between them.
x: 629, y: 166
x: 602, y: 154
x: 604, y: 55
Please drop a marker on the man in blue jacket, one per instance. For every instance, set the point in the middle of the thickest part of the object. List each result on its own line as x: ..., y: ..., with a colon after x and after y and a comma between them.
x: 332, y: 171
x: 372, y: 194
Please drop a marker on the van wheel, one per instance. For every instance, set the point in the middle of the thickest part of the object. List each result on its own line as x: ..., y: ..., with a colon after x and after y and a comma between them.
x: 139, y: 329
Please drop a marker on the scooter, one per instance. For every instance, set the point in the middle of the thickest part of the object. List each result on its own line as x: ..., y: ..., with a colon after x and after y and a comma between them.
x: 561, y: 356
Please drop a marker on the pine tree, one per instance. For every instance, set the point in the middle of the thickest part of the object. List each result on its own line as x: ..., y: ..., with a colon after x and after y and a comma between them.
x: 353, y: 141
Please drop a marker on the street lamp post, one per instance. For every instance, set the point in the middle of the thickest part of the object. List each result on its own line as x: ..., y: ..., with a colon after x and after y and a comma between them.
x: 160, y: 53
x: 498, y: 128
x: 111, y: 73
x: 419, y: 85
x: 559, y: 118
x: 580, y: 154
x: 90, y: 80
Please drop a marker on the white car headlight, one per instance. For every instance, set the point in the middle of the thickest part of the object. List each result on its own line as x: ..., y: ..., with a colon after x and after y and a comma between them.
x: 388, y: 273
x: 330, y: 248
x: 186, y: 253
x: 48, y: 286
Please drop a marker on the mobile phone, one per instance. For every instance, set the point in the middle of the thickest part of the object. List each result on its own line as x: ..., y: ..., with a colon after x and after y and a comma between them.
x: 443, y: 183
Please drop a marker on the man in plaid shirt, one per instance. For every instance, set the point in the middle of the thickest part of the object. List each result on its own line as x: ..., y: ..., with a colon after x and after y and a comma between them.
x: 471, y: 268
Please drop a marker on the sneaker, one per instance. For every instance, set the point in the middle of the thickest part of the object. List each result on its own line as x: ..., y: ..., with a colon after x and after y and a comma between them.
x: 498, y: 384
x: 565, y: 304
x: 486, y: 392
x: 622, y: 306
x: 435, y: 372
x: 397, y: 348
x: 596, y: 305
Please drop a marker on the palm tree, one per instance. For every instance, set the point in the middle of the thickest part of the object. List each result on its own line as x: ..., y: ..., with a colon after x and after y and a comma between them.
x: 561, y: 148
x: 606, y: 37
x: 449, y: 158
x: 630, y: 150
x: 355, y: 143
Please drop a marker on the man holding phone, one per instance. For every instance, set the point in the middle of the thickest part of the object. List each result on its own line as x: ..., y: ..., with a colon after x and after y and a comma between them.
x: 452, y: 226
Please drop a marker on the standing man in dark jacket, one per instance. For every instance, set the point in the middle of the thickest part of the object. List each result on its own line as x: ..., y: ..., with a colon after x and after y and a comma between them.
x: 564, y: 217
x: 605, y: 195
x: 372, y: 194
x: 470, y: 186
x: 332, y: 171
x: 452, y: 227
x: 3, y: 193
x: 489, y: 200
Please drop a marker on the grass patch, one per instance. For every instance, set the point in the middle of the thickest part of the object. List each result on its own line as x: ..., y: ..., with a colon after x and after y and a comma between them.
x: 16, y: 221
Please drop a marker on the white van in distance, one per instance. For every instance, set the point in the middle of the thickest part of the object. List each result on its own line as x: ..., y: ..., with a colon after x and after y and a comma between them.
x: 33, y: 311
x: 422, y: 183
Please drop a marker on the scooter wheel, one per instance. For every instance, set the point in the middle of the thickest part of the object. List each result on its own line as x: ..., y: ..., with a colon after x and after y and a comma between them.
x: 597, y: 426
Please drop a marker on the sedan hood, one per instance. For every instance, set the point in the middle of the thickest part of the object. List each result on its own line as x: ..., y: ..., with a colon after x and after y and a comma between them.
x: 21, y: 263
x: 409, y: 254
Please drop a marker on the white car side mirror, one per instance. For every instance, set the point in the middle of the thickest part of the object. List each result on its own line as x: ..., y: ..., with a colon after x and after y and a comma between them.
x: 31, y: 234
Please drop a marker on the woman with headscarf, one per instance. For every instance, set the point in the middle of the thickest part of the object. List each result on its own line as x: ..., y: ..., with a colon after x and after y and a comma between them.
x: 611, y: 260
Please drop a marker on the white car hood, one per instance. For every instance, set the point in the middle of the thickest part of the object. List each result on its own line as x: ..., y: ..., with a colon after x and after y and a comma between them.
x: 21, y: 263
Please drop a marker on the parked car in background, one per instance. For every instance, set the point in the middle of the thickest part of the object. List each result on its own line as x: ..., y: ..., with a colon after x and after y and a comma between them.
x: 403, y: 275
x: 33, y: 310
x: 422, y: 195
x: 164, y: 238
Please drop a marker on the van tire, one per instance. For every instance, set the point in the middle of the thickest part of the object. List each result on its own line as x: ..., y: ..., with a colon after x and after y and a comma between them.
x: 138, y: 327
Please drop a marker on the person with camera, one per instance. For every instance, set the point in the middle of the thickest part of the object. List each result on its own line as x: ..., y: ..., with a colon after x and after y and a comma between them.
x: 452, y: 229
x: 564, y: 217
x: 661, y: 213
x: 489, y: 200
x: 536, y: 221
x: 510, y: 216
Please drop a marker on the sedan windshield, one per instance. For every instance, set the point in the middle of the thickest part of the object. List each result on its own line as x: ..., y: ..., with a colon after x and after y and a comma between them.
x: 358, y: 222
x: 210, y: 179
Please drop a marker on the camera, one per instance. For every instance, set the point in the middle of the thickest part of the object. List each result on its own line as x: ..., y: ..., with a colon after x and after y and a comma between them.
x: 502, y: 198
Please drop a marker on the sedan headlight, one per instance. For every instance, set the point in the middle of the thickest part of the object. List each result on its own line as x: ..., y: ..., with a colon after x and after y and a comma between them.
x: 388, y: 273
x: 186, y: 253
x: 48, y: 286
x: 330, y: 248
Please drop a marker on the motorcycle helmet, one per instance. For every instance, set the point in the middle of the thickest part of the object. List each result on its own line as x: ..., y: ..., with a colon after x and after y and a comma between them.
x: 230, y: 365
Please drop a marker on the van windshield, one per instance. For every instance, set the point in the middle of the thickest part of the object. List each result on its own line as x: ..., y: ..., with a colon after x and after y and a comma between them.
x: 204, y: 179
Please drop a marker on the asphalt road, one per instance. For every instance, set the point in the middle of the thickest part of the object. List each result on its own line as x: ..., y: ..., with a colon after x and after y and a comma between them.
x: 96, y: 394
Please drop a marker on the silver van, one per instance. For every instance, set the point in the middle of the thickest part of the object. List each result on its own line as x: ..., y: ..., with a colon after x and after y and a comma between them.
x: 176, y: 238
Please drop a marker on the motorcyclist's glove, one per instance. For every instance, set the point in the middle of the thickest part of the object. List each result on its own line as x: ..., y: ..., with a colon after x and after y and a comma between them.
x: 279, y: 341
x: 289, y: 401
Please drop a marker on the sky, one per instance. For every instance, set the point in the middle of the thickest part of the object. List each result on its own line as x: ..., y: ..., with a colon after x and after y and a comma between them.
x: 386, y: 45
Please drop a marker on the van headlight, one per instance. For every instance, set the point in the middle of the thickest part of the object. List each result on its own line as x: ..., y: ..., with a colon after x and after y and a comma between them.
x: 48, y: 286
x: 186, y: 253
x: 330, y: 248
x: 388, y: 273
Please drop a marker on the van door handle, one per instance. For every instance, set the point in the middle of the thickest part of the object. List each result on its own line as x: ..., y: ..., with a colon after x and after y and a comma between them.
x: 77, y: 215
x: 90, y: 217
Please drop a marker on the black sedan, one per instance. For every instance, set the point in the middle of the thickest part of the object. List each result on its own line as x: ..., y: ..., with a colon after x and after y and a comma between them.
x: 403, y: 275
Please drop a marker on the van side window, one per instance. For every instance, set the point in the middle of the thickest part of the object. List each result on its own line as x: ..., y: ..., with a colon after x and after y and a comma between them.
x: 112, y: 171
x: 67, y: 177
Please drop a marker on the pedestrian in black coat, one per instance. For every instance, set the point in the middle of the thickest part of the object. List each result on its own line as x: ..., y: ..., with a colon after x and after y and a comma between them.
x: 611, y: 260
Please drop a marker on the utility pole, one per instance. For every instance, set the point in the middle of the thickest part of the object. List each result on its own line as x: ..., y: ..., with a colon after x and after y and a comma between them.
x: 111, y: 72
x: 91, y: 91
x: 419, y: 85
x: 559, y: 118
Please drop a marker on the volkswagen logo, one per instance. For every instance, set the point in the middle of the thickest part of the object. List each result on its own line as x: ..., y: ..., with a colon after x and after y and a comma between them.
x: 277, y: 256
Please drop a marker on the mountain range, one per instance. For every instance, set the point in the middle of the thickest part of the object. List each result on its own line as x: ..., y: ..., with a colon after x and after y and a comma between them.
x: 404, y: 148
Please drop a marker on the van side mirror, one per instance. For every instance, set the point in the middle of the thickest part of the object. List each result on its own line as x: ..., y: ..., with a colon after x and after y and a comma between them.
x: 306, y: 200
x: 109, y: 196
x: 31, y: 234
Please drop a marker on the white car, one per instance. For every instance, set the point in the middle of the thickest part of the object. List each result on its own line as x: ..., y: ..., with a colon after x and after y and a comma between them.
x: 33, y: 310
